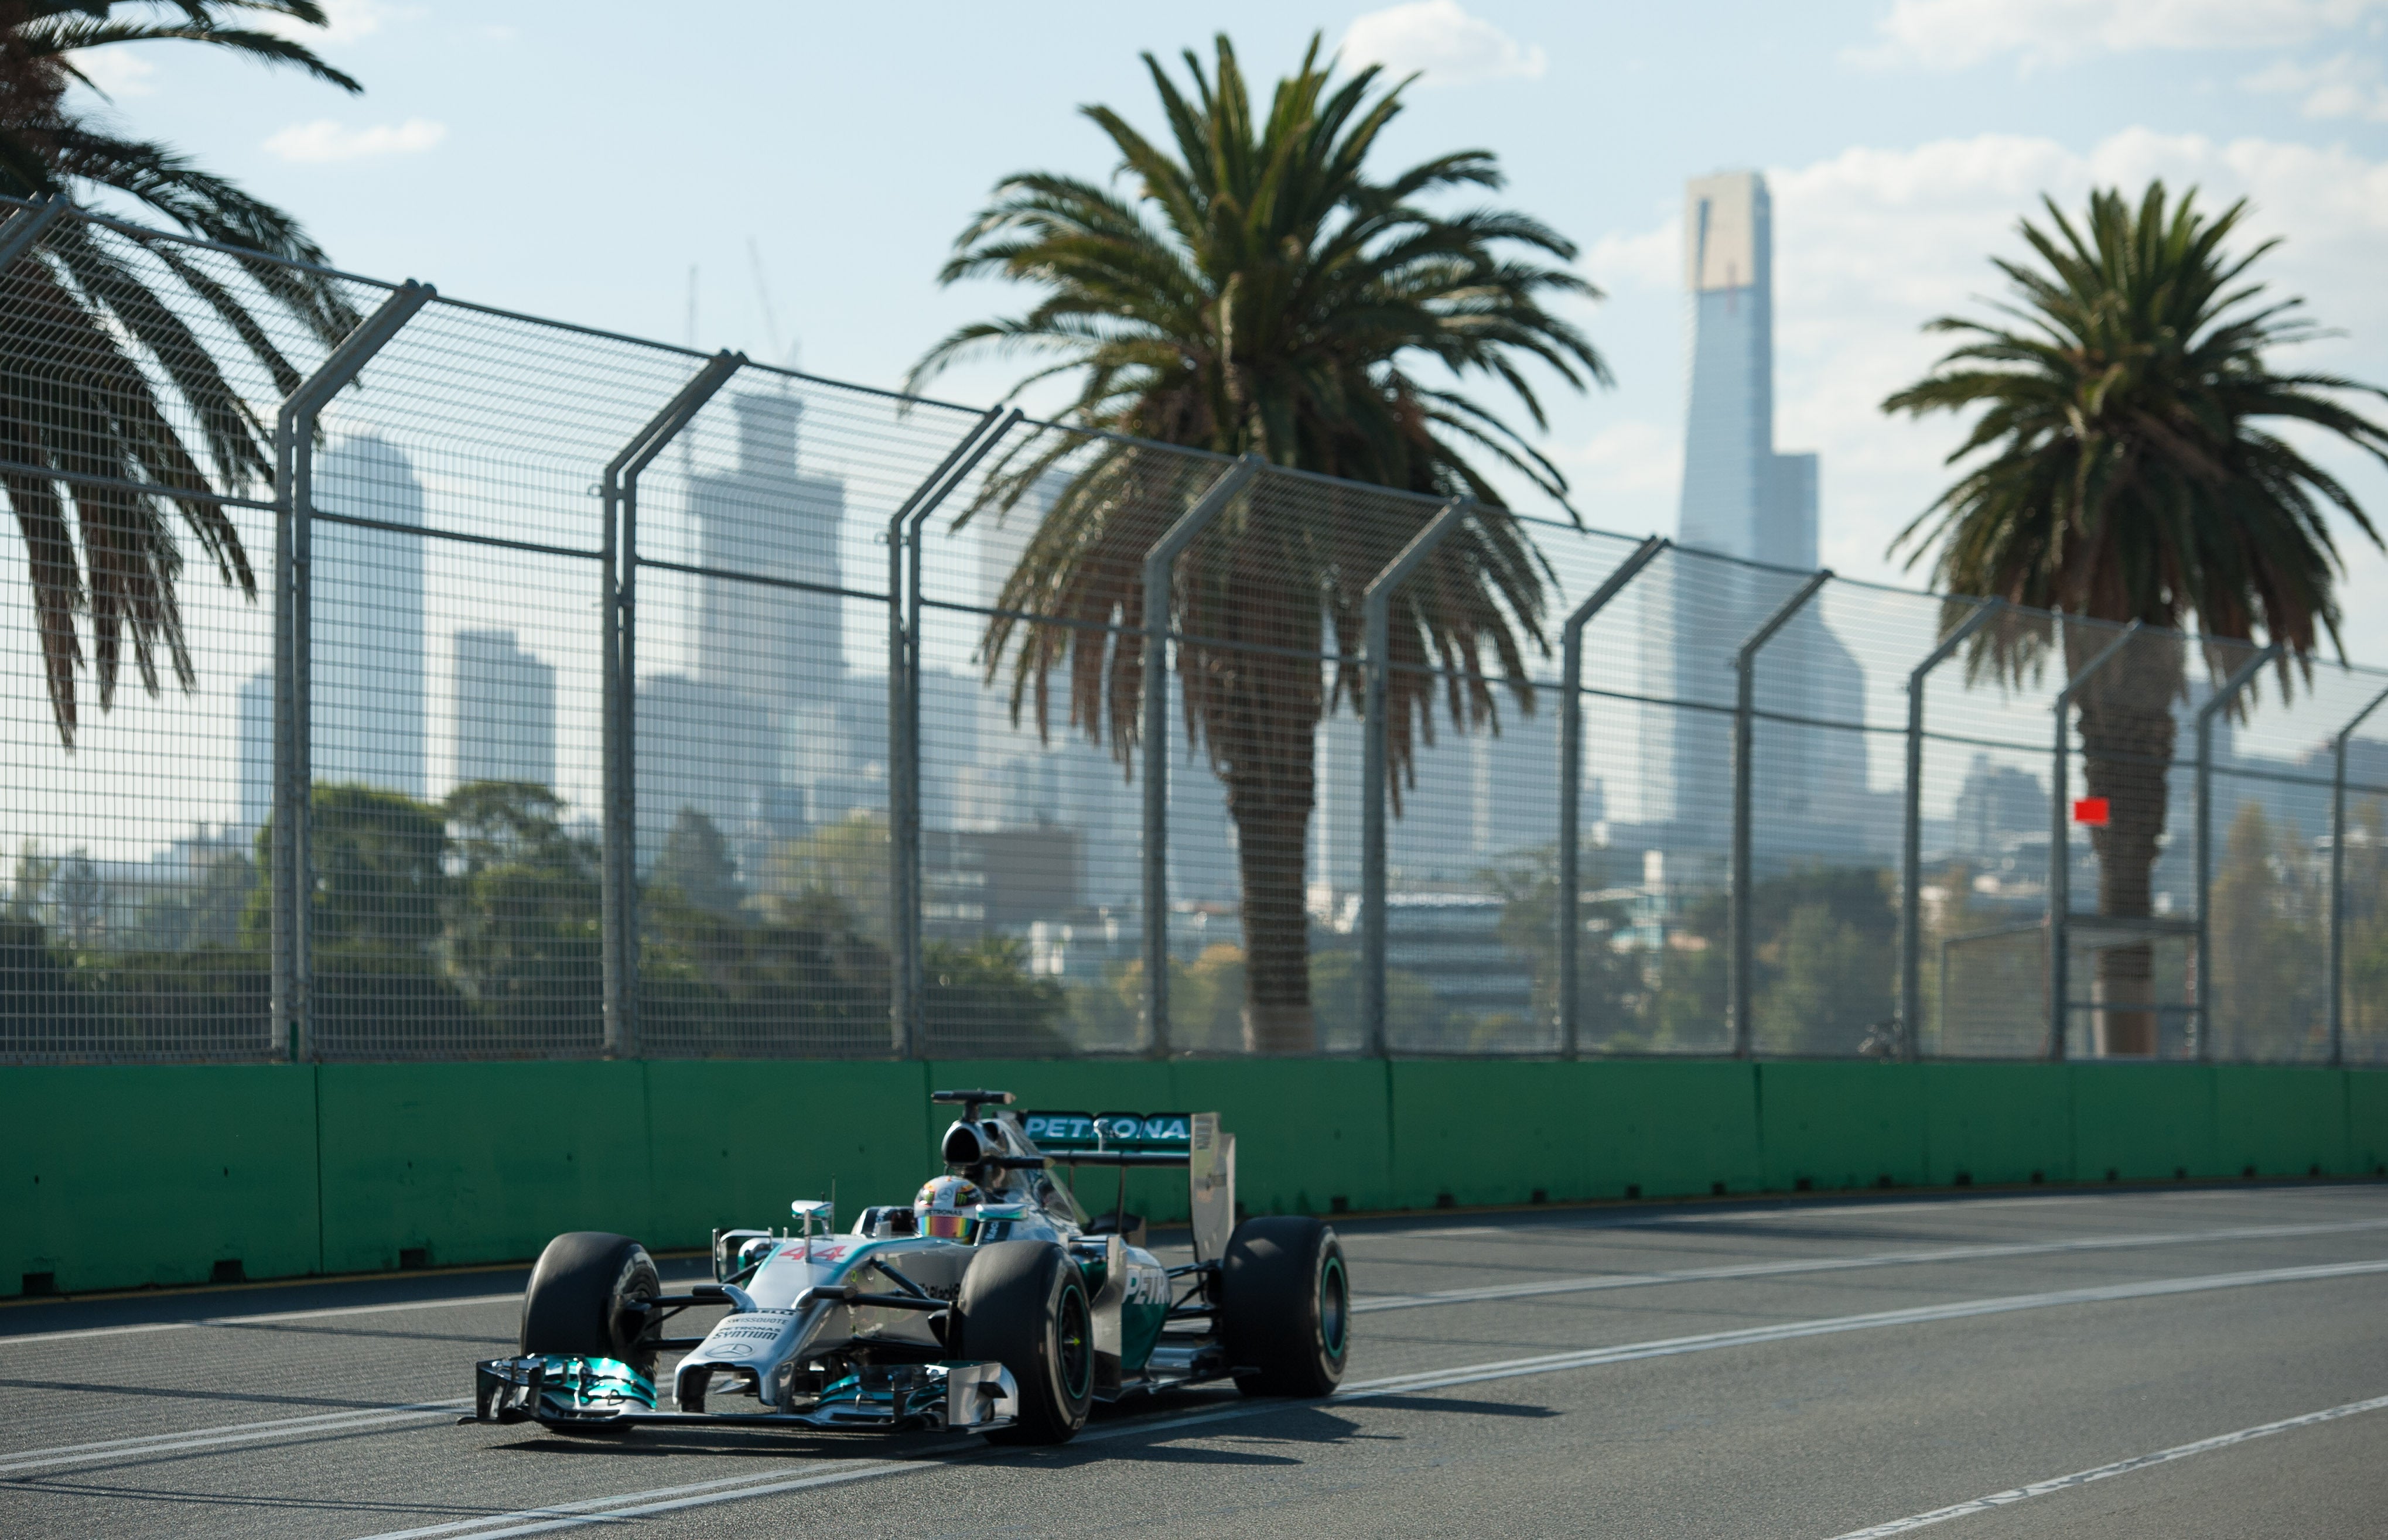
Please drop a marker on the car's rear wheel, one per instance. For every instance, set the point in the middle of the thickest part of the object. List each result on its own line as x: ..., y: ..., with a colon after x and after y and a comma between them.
x: 1023, y: 1306
x: 1285, y: 1306
x: 583, y: 1297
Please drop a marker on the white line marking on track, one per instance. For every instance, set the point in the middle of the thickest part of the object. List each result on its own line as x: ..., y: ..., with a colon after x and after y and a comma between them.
x: 1801, y: 1212
x: 1402, y: 1302
x: 195, y: 1438
x: 633, y: 1505
x: 259, y: 1321
x: 640, y: 1504
x: 2120, y: 1468
x: 1366, y: 1303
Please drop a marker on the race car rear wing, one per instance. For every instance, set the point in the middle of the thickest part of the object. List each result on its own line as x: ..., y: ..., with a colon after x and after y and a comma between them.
x: 1126, y: 1139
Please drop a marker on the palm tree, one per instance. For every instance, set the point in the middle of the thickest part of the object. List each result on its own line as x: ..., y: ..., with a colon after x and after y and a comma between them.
x: 93, y: 333
x: 2128, y: 472
x: 1260, y: 293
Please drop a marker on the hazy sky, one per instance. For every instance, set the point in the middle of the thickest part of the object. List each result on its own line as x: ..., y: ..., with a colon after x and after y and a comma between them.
x: 578, y: 159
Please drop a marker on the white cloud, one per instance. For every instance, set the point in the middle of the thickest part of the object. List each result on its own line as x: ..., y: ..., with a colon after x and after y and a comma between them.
x: 1952, y: 34
x: 1628, y: 457
x: 118, y: 71
x: 326, y: 139
x: 1654, y: 257
x: 2346, y: 86
x: 1436, y: 36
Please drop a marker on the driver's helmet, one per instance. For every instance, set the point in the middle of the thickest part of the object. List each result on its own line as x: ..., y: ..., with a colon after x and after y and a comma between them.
x: 942, y: 1207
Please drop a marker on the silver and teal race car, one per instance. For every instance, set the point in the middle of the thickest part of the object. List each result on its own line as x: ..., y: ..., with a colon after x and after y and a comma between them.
x: 994, y: 1303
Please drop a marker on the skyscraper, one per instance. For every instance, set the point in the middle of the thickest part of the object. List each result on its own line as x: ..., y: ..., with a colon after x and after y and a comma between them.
x: 367, y: 620
x: 1742, y: 500
x: 749, y: 739
x: 768, y: 520
x: 506, y: 710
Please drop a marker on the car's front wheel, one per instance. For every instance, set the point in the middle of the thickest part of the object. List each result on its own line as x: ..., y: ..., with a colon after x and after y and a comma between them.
x: 583, y: 1297
x: 1023, y: 1306
x: 1285, y: 1306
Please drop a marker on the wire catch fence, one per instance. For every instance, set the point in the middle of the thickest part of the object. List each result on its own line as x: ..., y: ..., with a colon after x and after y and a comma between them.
x: 394, y: 677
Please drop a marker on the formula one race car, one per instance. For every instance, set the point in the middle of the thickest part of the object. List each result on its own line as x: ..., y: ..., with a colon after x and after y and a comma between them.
x: 993, y: 1304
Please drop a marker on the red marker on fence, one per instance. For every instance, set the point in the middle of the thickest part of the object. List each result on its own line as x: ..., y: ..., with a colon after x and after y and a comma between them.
x: 2091, y: 811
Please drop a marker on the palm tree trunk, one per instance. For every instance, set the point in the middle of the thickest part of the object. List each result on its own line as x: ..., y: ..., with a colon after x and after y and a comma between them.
x: 1262, y: 713
x: 2127, y: 741
x: 1272, y: 813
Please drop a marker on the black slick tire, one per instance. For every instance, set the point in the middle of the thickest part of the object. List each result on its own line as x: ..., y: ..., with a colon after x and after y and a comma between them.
x: 1024, y: 1305
x: 579, y: 1298
x: 1285, y: 1306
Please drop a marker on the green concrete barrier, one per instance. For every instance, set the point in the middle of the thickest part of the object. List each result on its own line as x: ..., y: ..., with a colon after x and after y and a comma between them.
x: 1478, y: 1132
x: 2367, y: 1122
x: 2279, y: 1121
x: 1840, y: 1125
x: 120, y: 1175
x: 1996, y: 1124
x: 2143, y: 1122
x: 125, y: 1175
x: 1302, y: 1140
x: 731, y: 1141
x: 461, y: 1162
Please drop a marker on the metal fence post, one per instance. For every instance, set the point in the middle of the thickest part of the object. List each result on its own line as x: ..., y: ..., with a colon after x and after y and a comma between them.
x: 1571, y: 778
x: 618, y: 756
x: 1160, y: 578
x: 1377, y: 609
x: 2060, y: 854
x: 2223, y: 695
x: 293, y: 468
x: 904, y: 1011
x: 1742, y: 953
x: 1911, y: 867
x: 2338, y: 879
x: 25, y: 227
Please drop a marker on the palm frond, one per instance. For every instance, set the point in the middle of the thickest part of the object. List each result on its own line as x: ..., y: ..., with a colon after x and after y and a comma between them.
x: 103, y: 367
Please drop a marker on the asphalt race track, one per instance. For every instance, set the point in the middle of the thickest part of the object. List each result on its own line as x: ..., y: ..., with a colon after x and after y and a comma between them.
x: 2192, y: 1362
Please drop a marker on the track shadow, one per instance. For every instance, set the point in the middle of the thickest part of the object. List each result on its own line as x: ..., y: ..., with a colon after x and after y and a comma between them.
x: 1468, y: 1408
x: 654, y: 1440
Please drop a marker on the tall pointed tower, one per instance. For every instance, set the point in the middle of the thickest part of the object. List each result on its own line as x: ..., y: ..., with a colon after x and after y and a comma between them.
x: 1742, y: 499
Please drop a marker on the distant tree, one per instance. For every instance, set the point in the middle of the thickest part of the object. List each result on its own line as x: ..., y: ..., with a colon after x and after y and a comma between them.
x: 29, y: 886
x: 2131, y: 468
x: 796, y: 972
x: 524, y: 926
x: 203, y: 912
x: 697, y: 866
x: 1608, y: 983
x: 845, y: 859
x: 1832, y: 980
x: 44, y: 994
x: 1824, y: 941
x: 982, y: 998
x: 2268, y: 927
x: 88, y: 324
x: 382, y: 899
x: 1261, y: 292
x: 2367, y: 931
x: 381, y: 879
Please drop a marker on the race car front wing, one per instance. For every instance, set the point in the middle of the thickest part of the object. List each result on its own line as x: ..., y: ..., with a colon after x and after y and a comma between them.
x: 558, y: 1392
